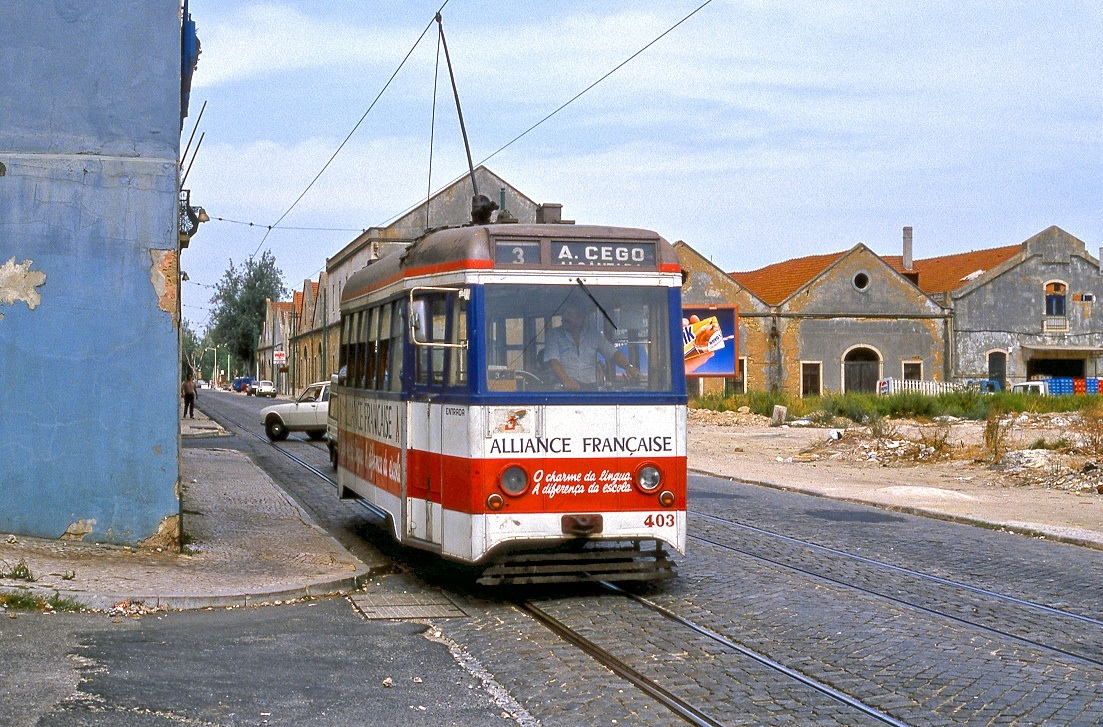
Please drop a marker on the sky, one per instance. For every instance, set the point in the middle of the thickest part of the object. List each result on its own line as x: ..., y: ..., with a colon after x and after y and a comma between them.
x: 755, y: 131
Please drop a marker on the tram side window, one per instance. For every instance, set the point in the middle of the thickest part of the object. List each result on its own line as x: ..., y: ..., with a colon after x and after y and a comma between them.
x: 458, y: 370
x: 343, y: 352
x: 353, y: 354
x: 398, y: 332
x: 372, y: 348
x: 361, y: 348
x: 382, y: 368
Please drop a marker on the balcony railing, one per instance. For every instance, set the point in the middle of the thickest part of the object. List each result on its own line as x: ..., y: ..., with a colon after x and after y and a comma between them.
x: 1055, y: 324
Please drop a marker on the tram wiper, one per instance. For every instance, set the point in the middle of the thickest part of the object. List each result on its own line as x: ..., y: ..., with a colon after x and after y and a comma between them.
x: 591, y: 297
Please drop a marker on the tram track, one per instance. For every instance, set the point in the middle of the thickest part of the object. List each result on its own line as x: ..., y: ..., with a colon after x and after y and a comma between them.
x: 653, y: 689
x: 678, y: 705
x: 909, y: 603
x: 1050, y: 610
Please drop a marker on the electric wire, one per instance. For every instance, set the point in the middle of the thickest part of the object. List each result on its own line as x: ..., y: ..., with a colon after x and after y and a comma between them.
x: 564, y: 105
x: 354, y: 128
x: 432, y: 132
x: 578, y: 95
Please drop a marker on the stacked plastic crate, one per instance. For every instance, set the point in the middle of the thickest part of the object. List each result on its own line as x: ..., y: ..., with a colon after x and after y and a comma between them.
x: 1061, y: 387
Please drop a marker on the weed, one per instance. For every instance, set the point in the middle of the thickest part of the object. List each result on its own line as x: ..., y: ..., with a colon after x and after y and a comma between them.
x: 26, y: 601
x: 18, y: 572
x: 881, y: 427
x: 996, y: 429
x: 1058, y: 444
x: 58, y: 602
x: 1091, y: 425
x: 937, y: 439
x: 20, y: 600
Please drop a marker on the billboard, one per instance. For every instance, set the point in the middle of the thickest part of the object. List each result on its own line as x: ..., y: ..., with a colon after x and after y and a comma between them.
x: 709, y: 341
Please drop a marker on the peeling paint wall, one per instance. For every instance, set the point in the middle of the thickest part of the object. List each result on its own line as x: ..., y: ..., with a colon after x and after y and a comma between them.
x: 18, y: 283
x: 89, y: 369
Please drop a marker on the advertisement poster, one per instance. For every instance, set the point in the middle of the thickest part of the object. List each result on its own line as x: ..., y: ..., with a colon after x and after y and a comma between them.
x: 709, y: 341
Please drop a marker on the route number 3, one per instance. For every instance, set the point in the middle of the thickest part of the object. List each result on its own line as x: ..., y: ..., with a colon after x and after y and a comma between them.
x: 662, y: 520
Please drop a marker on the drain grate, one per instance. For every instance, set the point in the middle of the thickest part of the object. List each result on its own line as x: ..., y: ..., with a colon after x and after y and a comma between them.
x: 377, y: 606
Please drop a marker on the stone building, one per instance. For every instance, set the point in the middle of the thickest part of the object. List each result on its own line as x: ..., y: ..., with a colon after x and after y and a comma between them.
x: 841, y: 321
x: 1021, y: 311
x: 91, y: 228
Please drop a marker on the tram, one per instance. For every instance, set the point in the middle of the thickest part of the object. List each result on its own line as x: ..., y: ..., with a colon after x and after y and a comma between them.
x: 512, y: 397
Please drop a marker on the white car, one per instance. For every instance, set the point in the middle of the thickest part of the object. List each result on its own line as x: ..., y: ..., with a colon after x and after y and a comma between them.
x: 263, y: 388
x: 307, y: 414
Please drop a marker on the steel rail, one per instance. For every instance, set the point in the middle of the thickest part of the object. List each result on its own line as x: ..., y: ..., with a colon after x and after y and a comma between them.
x: 907, y: 571
x: 903, y: 602
x: 675, y: 704
x: 761, y: 659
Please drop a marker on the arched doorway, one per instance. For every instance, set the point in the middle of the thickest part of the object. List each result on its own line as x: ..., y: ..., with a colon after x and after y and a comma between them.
x: 997, y: 368
x: 861, y: 369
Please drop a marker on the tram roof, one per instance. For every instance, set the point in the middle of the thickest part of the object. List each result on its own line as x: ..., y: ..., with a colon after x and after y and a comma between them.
x: 472, y: 246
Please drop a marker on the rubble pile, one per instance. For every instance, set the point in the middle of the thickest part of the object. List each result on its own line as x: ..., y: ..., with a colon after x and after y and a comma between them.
x: 862, y: 445
x: 742, y: 417
x: 1053, y: 470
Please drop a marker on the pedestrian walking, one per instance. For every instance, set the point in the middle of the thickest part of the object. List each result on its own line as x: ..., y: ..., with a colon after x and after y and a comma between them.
x: 189, y: 392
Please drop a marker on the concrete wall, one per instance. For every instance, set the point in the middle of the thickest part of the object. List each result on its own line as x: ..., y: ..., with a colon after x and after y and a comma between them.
x: 1005, y: 309
x: 89, y: 369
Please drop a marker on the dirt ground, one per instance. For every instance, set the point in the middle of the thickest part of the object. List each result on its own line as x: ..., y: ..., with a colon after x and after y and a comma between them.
x: 1035, y: 473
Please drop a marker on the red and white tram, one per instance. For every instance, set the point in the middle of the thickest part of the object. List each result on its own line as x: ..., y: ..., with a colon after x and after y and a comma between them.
x: 514, y: 395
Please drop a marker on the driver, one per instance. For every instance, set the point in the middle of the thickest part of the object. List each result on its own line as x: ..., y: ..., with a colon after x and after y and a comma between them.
x: 572, y: 347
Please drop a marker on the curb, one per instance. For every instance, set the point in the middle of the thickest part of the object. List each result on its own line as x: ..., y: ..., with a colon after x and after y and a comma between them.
x: 911, y: 510
x: 104, y: 602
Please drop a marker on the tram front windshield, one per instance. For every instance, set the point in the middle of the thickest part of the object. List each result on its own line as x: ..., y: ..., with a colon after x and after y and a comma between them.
x: 543, y: 339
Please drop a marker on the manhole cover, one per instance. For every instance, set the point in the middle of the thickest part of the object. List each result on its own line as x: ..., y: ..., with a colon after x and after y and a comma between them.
x: 376, y: 606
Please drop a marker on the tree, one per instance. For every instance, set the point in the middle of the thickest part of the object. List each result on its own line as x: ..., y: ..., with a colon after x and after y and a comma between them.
x: 239, y: 297
x: 189, y: 350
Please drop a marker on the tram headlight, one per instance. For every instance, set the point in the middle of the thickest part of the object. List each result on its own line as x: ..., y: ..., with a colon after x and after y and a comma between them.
x: 648, y: 478
x: 514, y: 481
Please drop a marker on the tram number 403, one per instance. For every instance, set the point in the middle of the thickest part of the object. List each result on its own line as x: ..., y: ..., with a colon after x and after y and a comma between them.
x: 662, y: 520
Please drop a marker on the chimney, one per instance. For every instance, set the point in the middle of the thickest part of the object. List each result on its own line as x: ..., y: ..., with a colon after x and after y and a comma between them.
x: 549, y: 214
x: 907, y: 262
x: 1101, y: 260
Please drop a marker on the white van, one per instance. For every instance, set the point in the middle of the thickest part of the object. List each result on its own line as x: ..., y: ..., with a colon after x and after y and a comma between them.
x: 1038, y: 388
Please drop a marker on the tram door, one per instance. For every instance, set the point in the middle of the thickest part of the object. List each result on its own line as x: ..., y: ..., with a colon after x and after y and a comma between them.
x: 423, y: 517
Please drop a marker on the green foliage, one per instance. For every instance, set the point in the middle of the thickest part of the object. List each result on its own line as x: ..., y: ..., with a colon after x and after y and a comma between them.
x: 867, y: 407
x: 18, y: 572
x: 189, y: 350
x: 21, y: 600
x: 239, y: 304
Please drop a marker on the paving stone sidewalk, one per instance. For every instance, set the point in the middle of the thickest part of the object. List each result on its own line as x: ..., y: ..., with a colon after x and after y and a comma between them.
x: 246, y: 542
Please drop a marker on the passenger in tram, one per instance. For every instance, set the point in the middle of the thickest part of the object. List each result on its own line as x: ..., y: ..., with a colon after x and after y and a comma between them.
x: 571, y: 349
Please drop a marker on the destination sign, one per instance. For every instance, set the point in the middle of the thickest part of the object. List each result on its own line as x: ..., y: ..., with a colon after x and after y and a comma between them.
x: 603, y: 254
x: 515, y: 252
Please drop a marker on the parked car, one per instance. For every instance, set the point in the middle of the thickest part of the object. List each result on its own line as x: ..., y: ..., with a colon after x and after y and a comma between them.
x: 241, y: 383
x: 263, y: 388
x: 1038, y: 388
x: 308, y: 413
x: 331, y: 419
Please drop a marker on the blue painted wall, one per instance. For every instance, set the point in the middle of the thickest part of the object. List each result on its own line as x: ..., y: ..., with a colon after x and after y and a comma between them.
x: 89, y: 137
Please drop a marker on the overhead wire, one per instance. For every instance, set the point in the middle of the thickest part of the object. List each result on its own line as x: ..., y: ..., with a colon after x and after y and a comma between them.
x: 567, y: 103
x: 578, y: 95
x: 500, y: 149
x: 354, y: 128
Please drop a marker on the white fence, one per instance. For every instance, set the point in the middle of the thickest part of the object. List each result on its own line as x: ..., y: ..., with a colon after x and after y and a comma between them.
x: 931, y: 388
